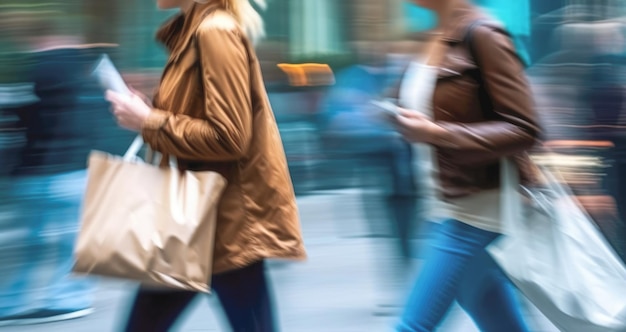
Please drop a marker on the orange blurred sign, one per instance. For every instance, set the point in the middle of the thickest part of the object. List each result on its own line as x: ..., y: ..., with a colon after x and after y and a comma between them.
x: 308, y: 74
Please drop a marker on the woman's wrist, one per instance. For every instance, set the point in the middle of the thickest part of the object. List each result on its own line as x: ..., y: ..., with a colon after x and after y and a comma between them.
x: 155, y: 120
x: 436, y: 133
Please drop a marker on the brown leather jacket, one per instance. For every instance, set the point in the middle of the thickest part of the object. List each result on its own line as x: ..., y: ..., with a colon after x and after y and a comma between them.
x: 212, y: 113
x: 483, y: 123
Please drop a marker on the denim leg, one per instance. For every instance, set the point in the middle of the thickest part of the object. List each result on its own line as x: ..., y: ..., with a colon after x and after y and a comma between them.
x: 37, y: 257
x: 489, y: 297
x: 244, y: 293
x: 66, y: 291
x: 402, y: 167
x: 23, y: 255
x: 404, y: 200
x: 156, y: 310
x: 447, y: 261
x: 246, y: 298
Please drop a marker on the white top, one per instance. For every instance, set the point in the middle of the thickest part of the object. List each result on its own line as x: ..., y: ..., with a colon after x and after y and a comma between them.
x: 481, y: 210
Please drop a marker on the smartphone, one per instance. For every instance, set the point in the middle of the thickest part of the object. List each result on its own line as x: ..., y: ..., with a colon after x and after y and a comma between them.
x: 108, y: 76
x: 387, y: 106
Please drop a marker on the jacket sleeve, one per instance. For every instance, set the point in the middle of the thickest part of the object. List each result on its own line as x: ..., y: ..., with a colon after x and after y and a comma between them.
x: 225, y: 132
x: 515, y: 127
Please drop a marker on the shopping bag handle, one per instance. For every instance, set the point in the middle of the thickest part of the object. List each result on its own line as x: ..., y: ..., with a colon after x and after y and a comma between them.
x: 134, y: 148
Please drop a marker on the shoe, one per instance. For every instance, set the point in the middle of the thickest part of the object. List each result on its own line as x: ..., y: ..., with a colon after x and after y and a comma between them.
x: 44, y: 316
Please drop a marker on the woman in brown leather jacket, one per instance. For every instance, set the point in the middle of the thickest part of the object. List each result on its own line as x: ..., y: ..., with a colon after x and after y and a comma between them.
x: 211, y: 112
x: 468, y: 105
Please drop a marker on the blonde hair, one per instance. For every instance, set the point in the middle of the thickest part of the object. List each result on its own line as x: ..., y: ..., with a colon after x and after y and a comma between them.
x: 247, y: 16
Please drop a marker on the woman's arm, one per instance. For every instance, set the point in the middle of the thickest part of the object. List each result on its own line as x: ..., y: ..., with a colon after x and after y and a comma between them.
x: 517, y: 127
x: 225, y: 132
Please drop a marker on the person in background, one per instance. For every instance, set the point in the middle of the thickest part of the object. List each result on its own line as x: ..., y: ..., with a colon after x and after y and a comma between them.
x: 44, y: 189
x: 606, y: 95
x: 211, y: 112
x: 354, y: 133
x: 580, y: 90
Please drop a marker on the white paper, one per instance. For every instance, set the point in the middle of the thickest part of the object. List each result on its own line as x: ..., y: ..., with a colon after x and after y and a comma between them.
x: 108, y: 76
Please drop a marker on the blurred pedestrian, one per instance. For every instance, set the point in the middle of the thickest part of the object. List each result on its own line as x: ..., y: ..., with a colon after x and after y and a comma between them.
x: 472, y: 82
x: 606, y: 92
x: 211, y: 113
x: 355, y: 134
x: 44, y: 191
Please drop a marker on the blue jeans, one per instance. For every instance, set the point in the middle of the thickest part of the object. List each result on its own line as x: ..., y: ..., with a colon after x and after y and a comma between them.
x: 458, y: 267
x: 38, y: 228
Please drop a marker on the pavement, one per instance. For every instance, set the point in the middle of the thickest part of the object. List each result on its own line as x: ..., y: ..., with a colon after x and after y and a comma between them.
x: 344, y: 286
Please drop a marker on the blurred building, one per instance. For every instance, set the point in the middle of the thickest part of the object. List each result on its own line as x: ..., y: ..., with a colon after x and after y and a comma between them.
x: 302, y: 28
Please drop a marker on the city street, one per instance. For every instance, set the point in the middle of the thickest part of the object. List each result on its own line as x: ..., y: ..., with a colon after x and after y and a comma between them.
x: 251, y: 88
x: 339, y: 289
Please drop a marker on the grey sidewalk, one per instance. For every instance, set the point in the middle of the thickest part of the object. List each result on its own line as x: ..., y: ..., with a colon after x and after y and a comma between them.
x: 336, y: 290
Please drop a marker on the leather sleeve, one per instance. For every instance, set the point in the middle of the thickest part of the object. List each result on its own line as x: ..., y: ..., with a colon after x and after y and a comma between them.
x: 516, y: 125
x: 225, y: 132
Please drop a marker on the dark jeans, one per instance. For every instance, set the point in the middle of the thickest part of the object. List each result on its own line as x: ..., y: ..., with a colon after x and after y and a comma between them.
x: 395, y: 161
x: 381, y: 160
x: 244, y: 295
x: 457, y: 267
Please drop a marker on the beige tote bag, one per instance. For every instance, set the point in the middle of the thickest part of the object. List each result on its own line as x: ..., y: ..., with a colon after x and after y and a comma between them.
x: 148, y: 224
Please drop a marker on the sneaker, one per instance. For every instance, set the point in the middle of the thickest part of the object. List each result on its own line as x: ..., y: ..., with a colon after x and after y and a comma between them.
x: 44, y: 316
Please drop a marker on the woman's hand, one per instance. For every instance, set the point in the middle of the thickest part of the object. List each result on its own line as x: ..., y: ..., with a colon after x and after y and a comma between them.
x: 130, y: 112
x: 143, y: 97
x: 417, y: 128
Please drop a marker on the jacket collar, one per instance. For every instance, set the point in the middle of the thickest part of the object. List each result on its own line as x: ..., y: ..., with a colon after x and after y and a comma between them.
x: 462, y: 17
x: 177, y: 32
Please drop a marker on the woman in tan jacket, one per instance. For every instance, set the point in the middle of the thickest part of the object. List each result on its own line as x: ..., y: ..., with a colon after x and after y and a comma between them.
x: 211, y: 112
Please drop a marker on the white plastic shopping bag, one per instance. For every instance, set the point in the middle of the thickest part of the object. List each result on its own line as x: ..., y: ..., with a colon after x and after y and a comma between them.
x: 554, y: 253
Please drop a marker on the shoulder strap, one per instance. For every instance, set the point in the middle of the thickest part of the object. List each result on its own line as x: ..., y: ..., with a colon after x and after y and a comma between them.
x: 469, y: 34
x: 469, y: 40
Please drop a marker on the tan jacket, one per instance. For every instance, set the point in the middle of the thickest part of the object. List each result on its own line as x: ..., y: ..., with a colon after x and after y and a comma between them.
x: 212, y: 113
x: 483, y: 122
